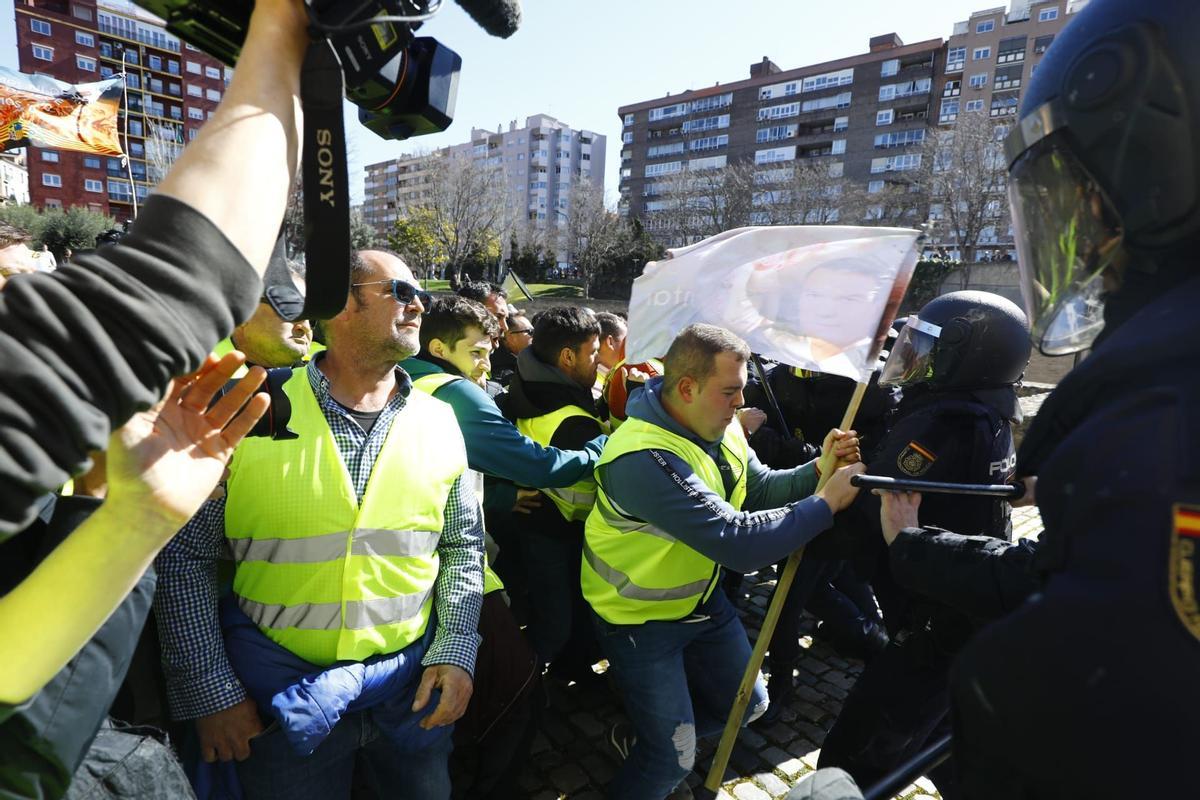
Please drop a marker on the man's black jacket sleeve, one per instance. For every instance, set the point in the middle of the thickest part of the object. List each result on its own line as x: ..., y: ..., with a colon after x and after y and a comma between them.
x: 83, y: 348
x: 979, y: 575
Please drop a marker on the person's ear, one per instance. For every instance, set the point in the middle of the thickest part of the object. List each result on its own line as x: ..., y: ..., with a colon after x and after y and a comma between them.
x: 686, y: 388
x: 566, y: 357
x: 438, y: 348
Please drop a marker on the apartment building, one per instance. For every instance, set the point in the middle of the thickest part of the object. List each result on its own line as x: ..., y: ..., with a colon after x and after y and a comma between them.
x: 539, y: 161
x: 171, y: 90
x: 862, y: 118
x: 14, y: 177
x: 990, y: 57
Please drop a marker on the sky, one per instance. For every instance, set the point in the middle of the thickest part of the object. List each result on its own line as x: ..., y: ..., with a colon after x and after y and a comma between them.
x: 580, y: 61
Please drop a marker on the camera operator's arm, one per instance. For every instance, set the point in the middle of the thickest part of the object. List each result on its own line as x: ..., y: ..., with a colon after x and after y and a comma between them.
x: 91, y: 343
x: 162, y: 465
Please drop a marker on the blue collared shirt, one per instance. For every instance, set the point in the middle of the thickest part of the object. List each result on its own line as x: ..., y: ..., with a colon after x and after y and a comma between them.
x: 200, y: 680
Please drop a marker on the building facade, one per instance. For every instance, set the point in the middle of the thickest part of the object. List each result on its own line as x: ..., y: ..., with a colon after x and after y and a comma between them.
x: 860, y: 120
x: 171, y: 90
x: 14, y: 177
x: 989, y: 58
x: 539, y: 161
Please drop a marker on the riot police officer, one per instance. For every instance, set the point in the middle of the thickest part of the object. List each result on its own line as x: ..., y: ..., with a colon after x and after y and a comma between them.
x: 957, y: 361
x: 1088, y: 687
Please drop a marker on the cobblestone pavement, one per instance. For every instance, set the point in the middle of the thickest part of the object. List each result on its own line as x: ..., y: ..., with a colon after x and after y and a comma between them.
x: 571, y: 758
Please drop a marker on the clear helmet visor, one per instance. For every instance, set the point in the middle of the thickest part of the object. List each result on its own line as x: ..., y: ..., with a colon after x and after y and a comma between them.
x: 911, y: 358
x: 1067, y: 233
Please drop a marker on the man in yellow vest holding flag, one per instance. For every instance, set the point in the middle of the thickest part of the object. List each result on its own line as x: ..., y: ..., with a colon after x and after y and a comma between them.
x: 679, y: 495
x: 359, y: 574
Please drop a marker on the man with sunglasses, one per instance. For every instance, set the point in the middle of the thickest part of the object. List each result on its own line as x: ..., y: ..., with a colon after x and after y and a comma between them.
x: 517, y: 336
x: 359, y: 563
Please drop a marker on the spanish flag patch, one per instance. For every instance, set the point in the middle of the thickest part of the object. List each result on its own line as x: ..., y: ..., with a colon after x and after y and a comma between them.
x: 1185, y: 536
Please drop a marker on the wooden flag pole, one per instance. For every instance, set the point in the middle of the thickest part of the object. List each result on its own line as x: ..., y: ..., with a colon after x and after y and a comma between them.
x: 732, y: 725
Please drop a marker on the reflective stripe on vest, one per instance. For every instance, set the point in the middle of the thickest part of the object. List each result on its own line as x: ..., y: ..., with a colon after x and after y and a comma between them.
x: 634, y: 572
x: 323, y: 575
x: 574, y: 501
x: 429, y: 384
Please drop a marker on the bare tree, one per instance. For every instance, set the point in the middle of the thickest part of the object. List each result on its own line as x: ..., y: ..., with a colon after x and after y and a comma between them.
x: 164, y: 143
x: 966, y: 180
x: 466, y: 209
x: 593, y: 235
x: 700, y: 203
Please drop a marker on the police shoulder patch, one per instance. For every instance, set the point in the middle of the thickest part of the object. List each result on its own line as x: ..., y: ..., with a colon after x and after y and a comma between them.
x: 1181, y: 574
x: 915, y: 460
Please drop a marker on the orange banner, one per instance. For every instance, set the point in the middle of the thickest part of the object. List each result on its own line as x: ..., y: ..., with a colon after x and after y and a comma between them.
x: 40, y: 111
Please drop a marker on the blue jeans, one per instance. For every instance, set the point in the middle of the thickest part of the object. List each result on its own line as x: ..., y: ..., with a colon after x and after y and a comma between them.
x: 274, y: 771
x: 678, y: 681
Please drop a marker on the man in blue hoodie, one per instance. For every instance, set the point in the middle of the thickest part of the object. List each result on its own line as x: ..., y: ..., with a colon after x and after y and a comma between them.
x: 680, y: 494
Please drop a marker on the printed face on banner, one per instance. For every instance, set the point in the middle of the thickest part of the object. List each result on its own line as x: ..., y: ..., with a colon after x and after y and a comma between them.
x: 812, y: 296
x: 40, y: 111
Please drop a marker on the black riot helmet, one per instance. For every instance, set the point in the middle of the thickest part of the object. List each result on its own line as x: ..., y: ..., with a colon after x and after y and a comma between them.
x: 1104, y: 168
x: 961, y: 340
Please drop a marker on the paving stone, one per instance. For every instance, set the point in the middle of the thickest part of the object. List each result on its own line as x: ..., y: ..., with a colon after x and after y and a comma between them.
x: 772, y: 784
x: 598, y: 768
x: 751, y: 738
x: 793, y: 768
x: 744, y: 759
x: 839, y: 662
x: 839, y: 679
x: 774, y: 756
x: 810, y: 759
x: 922, y: 797
x: 814, y: 666
x: 830, y: 689
x: 801, y: 747
x: 810, y: 694
x: 926, y: 785
x: 568, y: 778
x: 809, y: 731
x: 806, y: 678
x: 810, y: 712
x: 723, y: 795
x: 748, y: 791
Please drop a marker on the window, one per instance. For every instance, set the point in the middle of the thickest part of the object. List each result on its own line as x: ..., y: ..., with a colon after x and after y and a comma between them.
x: 667, y: 112
x: 154, y: 62
x: 705, y: 123
x: 212, y: 72
x: 629, y: 119
x: 775, y: 133
x: 981, y: 54
x: 899, y: 139
x: 1048, y: 14
x: 86, y: 64
x: 898, y: 163
x: 627, y: 137
x: 884, y: 117
x: 173, y: 67
x: 192, y: 66
x: 827, y: 80
x: 833, y: 101
x: 712, y: 162
x: 874, y: 187
x: 839, y: 147
x: 1004, y: 104
x: 93, y: 185
x: 779, y: 90
x: 43, y: 53
x: 194, y: 91
x: 1041, y: 44
x: 840, y: 124
x: 666, y: 168
x: 135, y: 127
x: 50, y: 155
x: 709, y: 142
x: 39, y: 26
x: 213, y: 94
x: 889, y: 68
x: 195, y: 113
x: 1011, y: 50
x: 91, y: 162
x: 978, y: 81
x: 50, y: 179
x: 974, y: 105
x: 778, y: 112
x: 715, y: 101
x: 956, y: 58
x: 893, y: 90
x: 106, y: 72
x: 987, y: 26
x: 85, y: 39
x: 137, y: 149
x: 775, y: 154
x: 949, y: 111
x: 660, y: 150
x: 80, y: 12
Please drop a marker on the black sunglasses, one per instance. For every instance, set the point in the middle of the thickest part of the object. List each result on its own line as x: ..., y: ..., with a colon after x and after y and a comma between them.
x: 404, y: 292
x: 520, y: 330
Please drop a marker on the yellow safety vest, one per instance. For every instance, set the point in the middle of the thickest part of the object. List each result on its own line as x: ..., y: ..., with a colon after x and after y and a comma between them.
x: 575, y: 501
x: 322, y: 575
x: 429, y: 384
x: 634, y: 572
x: 224, y: 347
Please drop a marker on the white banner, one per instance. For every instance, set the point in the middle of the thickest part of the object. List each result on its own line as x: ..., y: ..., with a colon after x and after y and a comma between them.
x: 819, y: 297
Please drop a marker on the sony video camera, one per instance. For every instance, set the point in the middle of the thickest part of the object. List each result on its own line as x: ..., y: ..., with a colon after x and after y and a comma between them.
x: 403, y: 85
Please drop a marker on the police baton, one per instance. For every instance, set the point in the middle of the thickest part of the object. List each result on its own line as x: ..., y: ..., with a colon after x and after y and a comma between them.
x: 920, y: 764
x: 1008, y: 491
